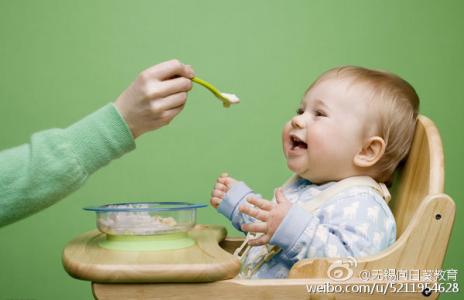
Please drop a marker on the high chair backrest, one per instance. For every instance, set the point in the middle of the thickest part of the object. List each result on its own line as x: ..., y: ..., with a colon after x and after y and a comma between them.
x: 421, y: 175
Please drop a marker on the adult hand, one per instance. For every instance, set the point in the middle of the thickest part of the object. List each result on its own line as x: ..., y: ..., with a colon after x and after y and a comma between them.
x: 156, y: 96
x: 268, y: 214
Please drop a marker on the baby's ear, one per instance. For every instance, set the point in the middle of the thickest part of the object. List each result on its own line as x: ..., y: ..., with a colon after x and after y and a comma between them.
x: 372, y: 150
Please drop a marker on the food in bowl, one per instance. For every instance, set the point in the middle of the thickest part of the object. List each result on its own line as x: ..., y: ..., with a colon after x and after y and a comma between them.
x: 145, y: 218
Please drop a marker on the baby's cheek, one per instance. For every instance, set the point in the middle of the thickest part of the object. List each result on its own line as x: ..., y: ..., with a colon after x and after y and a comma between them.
x: 318, y: 141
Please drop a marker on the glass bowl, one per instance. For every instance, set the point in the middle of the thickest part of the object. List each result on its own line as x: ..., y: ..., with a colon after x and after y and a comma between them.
x: 145, y: 218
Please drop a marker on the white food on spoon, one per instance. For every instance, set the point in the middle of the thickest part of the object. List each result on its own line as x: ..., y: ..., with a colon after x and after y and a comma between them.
x: 233, y: 99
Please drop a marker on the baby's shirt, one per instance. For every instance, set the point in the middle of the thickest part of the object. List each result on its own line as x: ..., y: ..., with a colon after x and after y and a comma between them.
x: 355, y: 222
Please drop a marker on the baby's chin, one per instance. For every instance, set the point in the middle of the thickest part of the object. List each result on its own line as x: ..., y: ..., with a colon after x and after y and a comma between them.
x: 298, y: 170
x: 305, y: 173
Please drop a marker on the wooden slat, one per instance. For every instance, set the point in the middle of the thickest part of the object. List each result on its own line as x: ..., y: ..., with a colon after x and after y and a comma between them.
x: 422, y: 175
x: 233, y: 289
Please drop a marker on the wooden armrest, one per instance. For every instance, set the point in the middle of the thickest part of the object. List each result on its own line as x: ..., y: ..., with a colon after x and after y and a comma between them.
x: 231, y: 243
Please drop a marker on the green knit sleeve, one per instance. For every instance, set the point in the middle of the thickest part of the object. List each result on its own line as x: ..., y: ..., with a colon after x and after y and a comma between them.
x: 56, y: 162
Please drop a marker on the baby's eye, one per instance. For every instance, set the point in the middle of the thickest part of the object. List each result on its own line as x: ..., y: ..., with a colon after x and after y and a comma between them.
x: 300, y: 111
x: 320, y: 113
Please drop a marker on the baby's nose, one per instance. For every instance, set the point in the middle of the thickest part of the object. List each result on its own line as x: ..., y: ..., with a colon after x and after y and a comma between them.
x: 297, y: 122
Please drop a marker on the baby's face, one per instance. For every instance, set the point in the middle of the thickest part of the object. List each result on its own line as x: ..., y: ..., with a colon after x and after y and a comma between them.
x: 321, y: 141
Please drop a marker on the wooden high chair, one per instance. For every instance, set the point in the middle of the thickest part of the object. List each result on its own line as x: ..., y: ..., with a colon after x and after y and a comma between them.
x: 424, y: 216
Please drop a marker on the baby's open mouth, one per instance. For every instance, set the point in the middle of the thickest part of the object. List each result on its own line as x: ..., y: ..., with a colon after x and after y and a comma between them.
x: 297, y: 143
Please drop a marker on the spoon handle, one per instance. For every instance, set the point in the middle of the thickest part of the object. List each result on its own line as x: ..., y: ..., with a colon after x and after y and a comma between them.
x: 212, y: 89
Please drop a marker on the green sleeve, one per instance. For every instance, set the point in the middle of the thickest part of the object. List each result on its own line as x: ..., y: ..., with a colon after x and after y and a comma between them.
x: 56, y: 162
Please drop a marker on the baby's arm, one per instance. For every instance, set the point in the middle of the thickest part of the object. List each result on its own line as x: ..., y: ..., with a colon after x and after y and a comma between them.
x: 228, y: 195
x: 356, y: 225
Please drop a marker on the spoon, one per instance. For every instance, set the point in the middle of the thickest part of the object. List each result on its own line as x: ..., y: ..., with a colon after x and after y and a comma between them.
x: 227, y: 99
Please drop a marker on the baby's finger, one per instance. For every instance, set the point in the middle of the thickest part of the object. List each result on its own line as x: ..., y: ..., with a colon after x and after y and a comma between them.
x: 253, y: 212
x: 280, y: 197
x: 255, y: 227
x: 262, y: 240
x: 223, y: 180
x: 218, y: 193
x: 220, y: 186
x: 224, y: 174
x: 215, y: 202
x: 263, y: 204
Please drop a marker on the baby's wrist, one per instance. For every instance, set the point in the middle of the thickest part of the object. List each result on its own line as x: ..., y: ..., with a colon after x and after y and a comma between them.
x: 292, y: 226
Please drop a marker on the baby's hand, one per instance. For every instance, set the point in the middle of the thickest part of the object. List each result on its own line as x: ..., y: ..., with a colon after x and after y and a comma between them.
x: 155, y: 97
x: 270, y: 214
x: 222, y: 186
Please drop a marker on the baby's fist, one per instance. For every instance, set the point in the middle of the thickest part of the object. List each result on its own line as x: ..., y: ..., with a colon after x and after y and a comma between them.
x: 222, y: 186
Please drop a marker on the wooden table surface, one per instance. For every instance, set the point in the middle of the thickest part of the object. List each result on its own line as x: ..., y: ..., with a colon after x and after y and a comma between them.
x: 205, y: 261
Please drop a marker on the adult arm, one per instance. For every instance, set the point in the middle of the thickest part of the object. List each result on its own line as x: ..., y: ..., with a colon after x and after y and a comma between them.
x: 56, y: 162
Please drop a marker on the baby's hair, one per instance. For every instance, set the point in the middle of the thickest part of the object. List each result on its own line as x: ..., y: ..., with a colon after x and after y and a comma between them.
x: 398, y: 106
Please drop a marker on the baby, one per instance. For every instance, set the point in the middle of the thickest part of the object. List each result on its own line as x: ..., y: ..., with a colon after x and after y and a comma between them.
x: 353, y: 127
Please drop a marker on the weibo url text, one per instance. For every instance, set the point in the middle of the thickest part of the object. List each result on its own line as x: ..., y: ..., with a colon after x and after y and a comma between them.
x: 384, y: 288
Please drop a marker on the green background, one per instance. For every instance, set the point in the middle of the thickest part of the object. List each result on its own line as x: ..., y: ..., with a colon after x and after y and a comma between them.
x: 61, y: 60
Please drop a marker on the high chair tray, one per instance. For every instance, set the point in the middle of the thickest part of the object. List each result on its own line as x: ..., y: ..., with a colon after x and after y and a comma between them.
x: 204, y: 261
